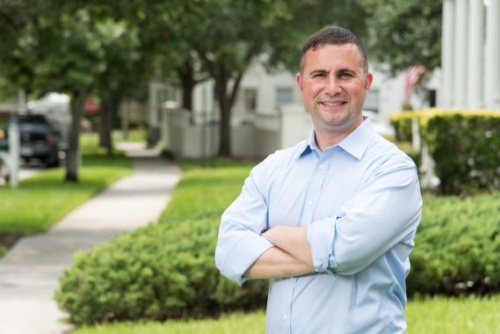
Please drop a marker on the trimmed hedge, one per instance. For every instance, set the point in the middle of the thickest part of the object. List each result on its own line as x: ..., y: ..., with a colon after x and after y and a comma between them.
x: 166, y: 270
x: 163, y: 270
x: 402, y: 124
x: 457, y: 246
x: 465, y: 146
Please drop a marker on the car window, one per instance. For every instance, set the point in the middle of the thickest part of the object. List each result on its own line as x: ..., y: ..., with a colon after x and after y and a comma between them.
x: 32, y: 119
x: 33, y: 127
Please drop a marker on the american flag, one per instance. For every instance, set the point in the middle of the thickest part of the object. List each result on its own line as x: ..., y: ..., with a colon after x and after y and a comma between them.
x: 412, y: 77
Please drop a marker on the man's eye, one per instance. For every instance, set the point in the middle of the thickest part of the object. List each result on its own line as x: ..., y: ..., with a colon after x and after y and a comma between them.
x: 346, y: 75
x: 318, y: 75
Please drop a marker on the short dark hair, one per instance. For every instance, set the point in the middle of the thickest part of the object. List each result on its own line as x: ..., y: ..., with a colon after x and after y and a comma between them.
x: 333, y: 35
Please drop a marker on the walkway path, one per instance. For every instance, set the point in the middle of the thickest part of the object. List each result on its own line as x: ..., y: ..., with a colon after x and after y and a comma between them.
x: 29, y: 272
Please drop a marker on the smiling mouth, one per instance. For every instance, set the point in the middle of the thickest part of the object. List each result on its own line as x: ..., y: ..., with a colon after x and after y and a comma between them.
x: 333, y: 104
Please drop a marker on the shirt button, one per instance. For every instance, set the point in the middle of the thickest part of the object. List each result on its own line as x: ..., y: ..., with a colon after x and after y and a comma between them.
x: 285, y: 317
x: 321, y: 167
x: 310, y: 203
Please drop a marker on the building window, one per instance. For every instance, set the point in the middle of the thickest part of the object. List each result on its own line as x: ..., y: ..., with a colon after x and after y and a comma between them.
x: 432, y: 98
x: 250, y: 96
x: 283, y: 96
x: 371, y: 102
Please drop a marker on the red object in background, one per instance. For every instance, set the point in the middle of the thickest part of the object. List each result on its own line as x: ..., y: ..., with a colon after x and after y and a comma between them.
x: 413, y: 74
x: 91, y: 107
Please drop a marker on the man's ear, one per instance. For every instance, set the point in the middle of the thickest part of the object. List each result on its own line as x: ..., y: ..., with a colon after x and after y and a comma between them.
x: 368, y: 82
x: 298, y: 80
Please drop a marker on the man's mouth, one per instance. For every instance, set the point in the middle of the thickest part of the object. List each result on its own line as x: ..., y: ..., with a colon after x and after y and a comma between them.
x: 333, y: 104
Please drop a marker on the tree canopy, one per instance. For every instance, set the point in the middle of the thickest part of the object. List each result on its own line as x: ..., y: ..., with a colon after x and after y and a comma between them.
x: 105, y: 48
x: 58, y: 46
x: 404, y: 33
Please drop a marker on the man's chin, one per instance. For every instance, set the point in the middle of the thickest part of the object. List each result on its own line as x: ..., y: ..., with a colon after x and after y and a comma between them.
x: 342, y: 125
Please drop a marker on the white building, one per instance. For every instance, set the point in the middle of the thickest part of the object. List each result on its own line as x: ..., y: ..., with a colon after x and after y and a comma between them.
x: 470, y: 54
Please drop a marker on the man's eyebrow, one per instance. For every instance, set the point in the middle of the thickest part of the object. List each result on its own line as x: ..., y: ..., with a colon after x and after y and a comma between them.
x: 318, y: 71
x: 345, y: 69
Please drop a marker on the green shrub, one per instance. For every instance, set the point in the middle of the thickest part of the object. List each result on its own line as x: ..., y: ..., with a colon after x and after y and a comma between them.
x: 466, y: 149
x: 457, y: 246
x: 465, y: 146
x: 166, y: 270
x: 402, y: 124
x: 163, y: 270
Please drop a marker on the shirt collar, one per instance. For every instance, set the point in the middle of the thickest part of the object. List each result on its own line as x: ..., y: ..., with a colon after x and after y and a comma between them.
x: 307, y: 146
x: 355, y: 143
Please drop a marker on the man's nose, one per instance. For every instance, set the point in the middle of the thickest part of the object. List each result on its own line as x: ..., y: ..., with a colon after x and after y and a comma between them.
x: 333, y: 85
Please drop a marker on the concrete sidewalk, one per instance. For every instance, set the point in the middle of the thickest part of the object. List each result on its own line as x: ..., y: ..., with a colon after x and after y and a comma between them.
x: 29, y: 272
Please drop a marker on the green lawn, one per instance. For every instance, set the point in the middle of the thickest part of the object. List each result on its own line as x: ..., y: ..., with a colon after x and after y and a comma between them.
x: 236, y: 323
x: 42, y: 200
x: 430, y: 316
x: 459, y: 315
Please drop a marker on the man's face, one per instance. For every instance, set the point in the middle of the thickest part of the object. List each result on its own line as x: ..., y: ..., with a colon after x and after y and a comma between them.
x: 334, y: 88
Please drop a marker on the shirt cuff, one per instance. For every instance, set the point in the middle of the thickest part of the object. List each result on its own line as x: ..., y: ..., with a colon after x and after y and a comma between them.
x: 321, y: 235
x: 244, y: 254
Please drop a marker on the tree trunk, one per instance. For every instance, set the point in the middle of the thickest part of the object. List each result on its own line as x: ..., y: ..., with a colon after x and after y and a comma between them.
x: 187, y: 95
x: 73, y: 156
x: 125, y: 121
x: 225, y: 118
x: 105, y: 128
x: 226, y: 98
x: 186, y: 74
x: 222, y: 71
x: 110, y: 104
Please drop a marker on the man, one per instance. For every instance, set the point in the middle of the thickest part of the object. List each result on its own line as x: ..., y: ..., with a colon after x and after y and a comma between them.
x: 331, y: 221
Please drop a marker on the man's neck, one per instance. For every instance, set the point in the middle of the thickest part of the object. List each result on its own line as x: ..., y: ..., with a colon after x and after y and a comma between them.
x: 326, y: 138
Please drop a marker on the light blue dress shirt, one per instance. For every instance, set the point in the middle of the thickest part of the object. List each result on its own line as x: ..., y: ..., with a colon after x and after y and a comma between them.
x: 361, y: 202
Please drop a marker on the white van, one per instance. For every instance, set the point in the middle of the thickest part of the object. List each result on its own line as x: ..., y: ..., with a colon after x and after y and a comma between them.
x: 56, y: 108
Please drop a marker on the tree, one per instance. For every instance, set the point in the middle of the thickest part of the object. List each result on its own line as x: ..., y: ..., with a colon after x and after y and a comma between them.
x: 123, y: 58
x: 404, y: 33
x: 15, y: 17
x: 160, y: 56
x: 185, y: 40
x: 59, y: 46
x: 189, y: 41
x: 75, y: 60
x: 162, y: 30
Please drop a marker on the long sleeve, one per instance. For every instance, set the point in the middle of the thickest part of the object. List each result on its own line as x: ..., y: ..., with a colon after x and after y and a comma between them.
x: 386, y: 212
x: 240, y: 242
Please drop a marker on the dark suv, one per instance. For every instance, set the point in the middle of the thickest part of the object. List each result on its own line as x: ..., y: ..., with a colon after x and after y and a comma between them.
x: 39, y: 139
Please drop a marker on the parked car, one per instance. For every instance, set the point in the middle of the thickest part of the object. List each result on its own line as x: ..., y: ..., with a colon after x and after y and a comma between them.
x: 39, y: 139
x: 3, y: 148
